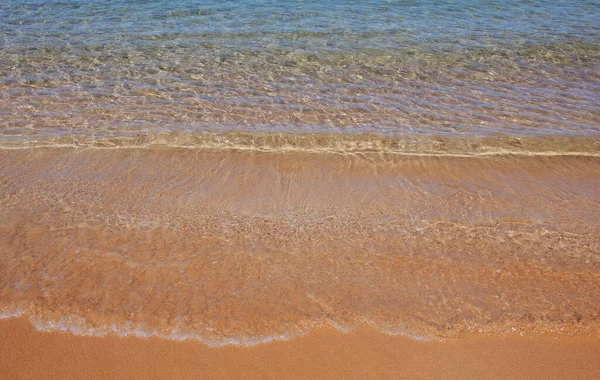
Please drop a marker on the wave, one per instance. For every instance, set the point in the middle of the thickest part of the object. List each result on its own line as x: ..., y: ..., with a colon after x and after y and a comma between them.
x: 415, y: 145
x: 157, y: 236
x: 79, y: 326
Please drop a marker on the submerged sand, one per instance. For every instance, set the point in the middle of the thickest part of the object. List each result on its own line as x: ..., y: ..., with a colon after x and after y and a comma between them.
x: 239, y: 247
x: 164, y: 262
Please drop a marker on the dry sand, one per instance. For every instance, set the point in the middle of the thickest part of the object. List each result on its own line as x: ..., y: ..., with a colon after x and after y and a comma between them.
x: 326, y: 353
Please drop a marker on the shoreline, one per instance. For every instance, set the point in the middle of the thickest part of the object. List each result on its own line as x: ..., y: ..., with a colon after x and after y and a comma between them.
x: 239, y: 245
x: 497, y: 145
x: 244, y: 244
x: 324, y: 353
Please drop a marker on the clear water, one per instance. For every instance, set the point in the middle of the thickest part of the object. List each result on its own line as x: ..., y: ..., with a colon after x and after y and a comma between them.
x: 433, y: 167
x: 115, y: 68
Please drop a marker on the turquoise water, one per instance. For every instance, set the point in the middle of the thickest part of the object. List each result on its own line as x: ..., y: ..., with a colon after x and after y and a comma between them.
x: 96, y: 69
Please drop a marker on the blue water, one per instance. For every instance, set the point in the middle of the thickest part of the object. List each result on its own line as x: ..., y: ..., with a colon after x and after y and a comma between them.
x: 309, y: 25
x: 433, y: 67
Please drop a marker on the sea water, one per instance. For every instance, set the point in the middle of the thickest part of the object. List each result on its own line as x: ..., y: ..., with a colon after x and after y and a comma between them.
x: 243, y: 171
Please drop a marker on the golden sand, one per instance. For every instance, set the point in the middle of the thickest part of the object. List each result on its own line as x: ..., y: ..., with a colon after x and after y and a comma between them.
x: 246, y: 247
x: 274, y: 255
x: 327, y: 354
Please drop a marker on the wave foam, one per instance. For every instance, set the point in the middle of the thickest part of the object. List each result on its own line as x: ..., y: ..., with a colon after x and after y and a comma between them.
x: 79, y: 326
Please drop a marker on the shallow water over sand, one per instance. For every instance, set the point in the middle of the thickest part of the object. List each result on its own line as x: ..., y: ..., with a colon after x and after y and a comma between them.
x: 454, y: 67
x: 243, y: 246
x: 241, y: 171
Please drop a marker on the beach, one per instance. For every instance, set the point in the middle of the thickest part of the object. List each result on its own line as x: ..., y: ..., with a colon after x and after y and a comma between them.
x: 299, y: 189
x: 180, y: 262
x: 244, y: 247
x: 326, y: 353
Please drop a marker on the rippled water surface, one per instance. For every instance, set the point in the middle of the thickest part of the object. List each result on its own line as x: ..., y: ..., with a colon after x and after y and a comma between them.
x: 410, y: 67
x: 242, y: 171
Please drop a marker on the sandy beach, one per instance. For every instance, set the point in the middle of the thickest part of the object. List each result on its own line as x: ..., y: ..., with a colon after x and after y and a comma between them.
x: 259, y: 189
x: 176, y: 244
x: 326, y: 353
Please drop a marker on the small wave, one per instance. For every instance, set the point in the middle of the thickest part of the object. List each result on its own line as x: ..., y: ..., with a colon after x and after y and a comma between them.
x: 79, y: 326
x: 417, y: 145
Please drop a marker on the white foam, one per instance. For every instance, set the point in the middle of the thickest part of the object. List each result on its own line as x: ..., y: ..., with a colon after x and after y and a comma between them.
x: 78, y: 325
x: 396, y: 331
x: 8, y: 313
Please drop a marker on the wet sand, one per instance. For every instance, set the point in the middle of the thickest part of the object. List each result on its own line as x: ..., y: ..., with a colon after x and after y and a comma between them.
x: 241, y: 247
x: 276, y: 189
x: 326, y: 353
x: 187, y: 263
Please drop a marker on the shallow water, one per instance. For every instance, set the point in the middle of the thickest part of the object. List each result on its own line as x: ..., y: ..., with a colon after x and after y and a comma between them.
x: 247, y: 246
x: 409, y: 67
x: 239, y: 171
